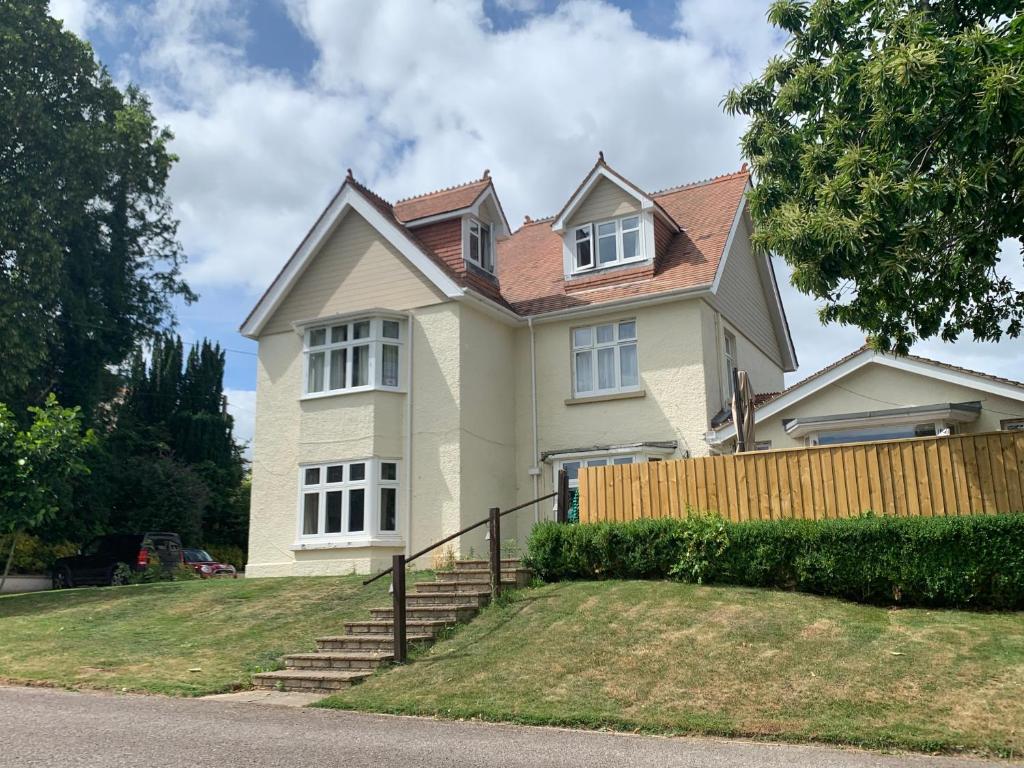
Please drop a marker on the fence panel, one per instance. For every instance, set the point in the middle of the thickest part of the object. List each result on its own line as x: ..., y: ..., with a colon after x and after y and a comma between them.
x: 958, y: 475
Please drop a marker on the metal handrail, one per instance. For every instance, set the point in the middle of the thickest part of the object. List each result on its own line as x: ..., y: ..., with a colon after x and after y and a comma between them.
x: 456, y: 535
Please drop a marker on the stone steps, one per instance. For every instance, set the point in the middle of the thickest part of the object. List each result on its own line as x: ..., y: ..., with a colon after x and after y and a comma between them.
x: 343, y: 660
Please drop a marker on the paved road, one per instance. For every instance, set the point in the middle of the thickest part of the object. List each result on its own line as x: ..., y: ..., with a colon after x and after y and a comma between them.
x: 41, y: 727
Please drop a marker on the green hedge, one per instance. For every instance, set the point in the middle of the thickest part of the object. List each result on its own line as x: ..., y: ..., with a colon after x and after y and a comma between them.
x: 975, y: 562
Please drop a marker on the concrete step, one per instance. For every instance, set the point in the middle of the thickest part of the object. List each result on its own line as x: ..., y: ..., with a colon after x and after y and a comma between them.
x: 375, y: 641
x: 510, y: 563
x: 452, y: 614
x: 519, y: 577
x: 324, y: 681
x: 476, y: 599
x: 416, y: 626
x: 361, y: 660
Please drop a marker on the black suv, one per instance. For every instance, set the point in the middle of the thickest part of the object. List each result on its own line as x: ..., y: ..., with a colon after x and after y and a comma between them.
x: 97, y: 563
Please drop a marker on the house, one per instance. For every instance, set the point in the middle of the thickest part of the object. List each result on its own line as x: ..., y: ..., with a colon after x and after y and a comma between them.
x: 869, y: 396
x: 421, y: 362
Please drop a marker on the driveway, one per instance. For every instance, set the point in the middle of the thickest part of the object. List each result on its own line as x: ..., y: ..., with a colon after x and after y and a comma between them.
x: 43, y: 727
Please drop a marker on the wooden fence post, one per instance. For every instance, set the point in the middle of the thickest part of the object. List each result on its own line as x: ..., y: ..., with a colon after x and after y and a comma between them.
x: 562, y: 506
x: 494, y: 527
x: 401, y: 647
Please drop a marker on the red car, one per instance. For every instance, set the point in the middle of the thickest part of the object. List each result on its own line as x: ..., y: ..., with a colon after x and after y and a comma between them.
x: 206, y: 566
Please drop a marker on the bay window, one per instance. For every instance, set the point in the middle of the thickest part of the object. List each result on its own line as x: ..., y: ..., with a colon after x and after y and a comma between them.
x: 605, y: 359
x: 619, y: 241
x: 354, y: 355
x: 349, y: 500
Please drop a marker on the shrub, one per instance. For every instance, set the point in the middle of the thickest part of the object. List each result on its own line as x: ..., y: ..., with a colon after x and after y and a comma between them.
x: 32, y: 555
x: 975, y: 562
x: 227, y: 553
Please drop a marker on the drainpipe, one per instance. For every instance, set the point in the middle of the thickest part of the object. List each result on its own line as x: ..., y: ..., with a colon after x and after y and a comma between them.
x: 535, y: 469
x: 408, y: 437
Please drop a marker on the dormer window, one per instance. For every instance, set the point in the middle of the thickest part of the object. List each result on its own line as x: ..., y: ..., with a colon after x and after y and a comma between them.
x: 618, y: 242
x: 479, y: 248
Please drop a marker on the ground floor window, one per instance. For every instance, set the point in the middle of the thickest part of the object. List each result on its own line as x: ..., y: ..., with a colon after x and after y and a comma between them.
x: 572, y: 468
x: 879, y: 432
x: 1012, y: 425
x: 348, y: 499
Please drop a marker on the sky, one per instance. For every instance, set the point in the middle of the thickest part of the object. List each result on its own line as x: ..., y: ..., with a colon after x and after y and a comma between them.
x: 271, y: 101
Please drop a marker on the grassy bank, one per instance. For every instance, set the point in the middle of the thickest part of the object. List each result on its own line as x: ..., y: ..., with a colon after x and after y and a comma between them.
x: 151, y: 637
x: 676, y: 658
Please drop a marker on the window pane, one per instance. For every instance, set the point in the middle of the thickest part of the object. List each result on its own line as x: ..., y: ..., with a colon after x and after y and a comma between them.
x: 623, y: 460
x: 583, y: 257
x: 337, y: 377
x: 572, y: 470
x: 391, y: 329
x: 339, y: 333
x: 584, y: 372
x: 388, y: 509
x: 336, y: 474
x: 633, y: 222
x: 316, y: 372
x: 310, y: 511
x: 605, y: 334
x: 606, y: 229
x: 630, y: 245
x: 360, y: 366
x: 388, y: 471
x: 597, y: 463
x: 485, y: 249
x: 629, y: 374
x: 356, y: 498
x: 333, y: 522
x: 389, y: 366
x: 474, y: 245
x: 312, y: 475
x: 606, y: 250
x: 627, y: 330
x: 356, y: 472
x: 318, y: 337
x: 606, y: 368
x: 361, y: 330
x: 582, y: 337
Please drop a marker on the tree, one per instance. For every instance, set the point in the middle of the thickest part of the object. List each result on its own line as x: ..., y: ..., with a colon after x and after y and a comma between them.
x: 36, y: 465
x: 89, y: 257
x: 888, y: 147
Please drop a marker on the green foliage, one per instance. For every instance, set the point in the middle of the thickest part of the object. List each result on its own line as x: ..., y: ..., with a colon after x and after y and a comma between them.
x: 153, y: 572
x: 32, y: 554
x: 91, y: 261
x: 888, y: 145
x: 973, y: 562
x: 227, y: 553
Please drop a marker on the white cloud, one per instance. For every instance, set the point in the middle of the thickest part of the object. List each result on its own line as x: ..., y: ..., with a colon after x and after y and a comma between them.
x: 242, y: 407
x: 79, y: 16
x: 415, y: 96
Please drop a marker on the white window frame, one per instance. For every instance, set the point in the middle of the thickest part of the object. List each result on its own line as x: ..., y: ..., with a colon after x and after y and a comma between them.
x: 372, y: 485
x: 1012, y: 425
x: 375, y: 343
x: 730, y: 360
x: 593, y: 350
x: 473, y: 223
x: 593, y: 228
x: 938, y: 426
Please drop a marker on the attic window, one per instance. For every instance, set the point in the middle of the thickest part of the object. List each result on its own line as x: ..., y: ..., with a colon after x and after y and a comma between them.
x: 618, y: 242
x: 479, y: 248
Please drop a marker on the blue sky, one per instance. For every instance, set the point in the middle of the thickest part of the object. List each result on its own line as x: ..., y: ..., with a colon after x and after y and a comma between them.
x: 271, y: 100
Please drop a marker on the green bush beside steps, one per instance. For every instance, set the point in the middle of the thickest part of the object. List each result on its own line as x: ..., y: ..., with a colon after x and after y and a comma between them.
x: 964, y: 562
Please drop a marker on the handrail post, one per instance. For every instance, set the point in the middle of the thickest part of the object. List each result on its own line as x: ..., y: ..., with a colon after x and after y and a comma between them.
x: 495, y: 542
x: 400, y: 643
x: 562, y: 505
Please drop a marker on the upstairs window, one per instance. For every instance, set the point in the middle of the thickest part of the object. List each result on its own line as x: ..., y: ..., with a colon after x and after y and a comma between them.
x: 605, y: 359
x: 353, y: 356
x: 618, y: 242
x: 730, y: 361
x: 480, y: 248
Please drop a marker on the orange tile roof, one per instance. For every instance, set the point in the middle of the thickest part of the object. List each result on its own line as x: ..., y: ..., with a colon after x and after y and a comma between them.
x: 530, y: 268
x: 442, y: 201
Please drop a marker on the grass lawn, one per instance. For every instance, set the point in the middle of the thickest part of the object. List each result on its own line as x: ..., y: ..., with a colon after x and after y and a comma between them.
x: 676, y: 658
x: 148, y: 637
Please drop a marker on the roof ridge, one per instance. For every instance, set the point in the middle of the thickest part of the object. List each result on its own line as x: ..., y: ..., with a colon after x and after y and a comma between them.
x: 366, y: 190
x: 485, y: 177
x: 691, y: 184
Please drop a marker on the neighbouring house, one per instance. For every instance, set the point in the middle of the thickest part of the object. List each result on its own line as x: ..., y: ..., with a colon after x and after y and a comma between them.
x: 870, y: 396
x: 420, y: 362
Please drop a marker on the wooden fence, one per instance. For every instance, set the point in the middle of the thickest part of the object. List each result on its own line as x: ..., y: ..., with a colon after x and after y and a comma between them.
x: 959, y: 475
